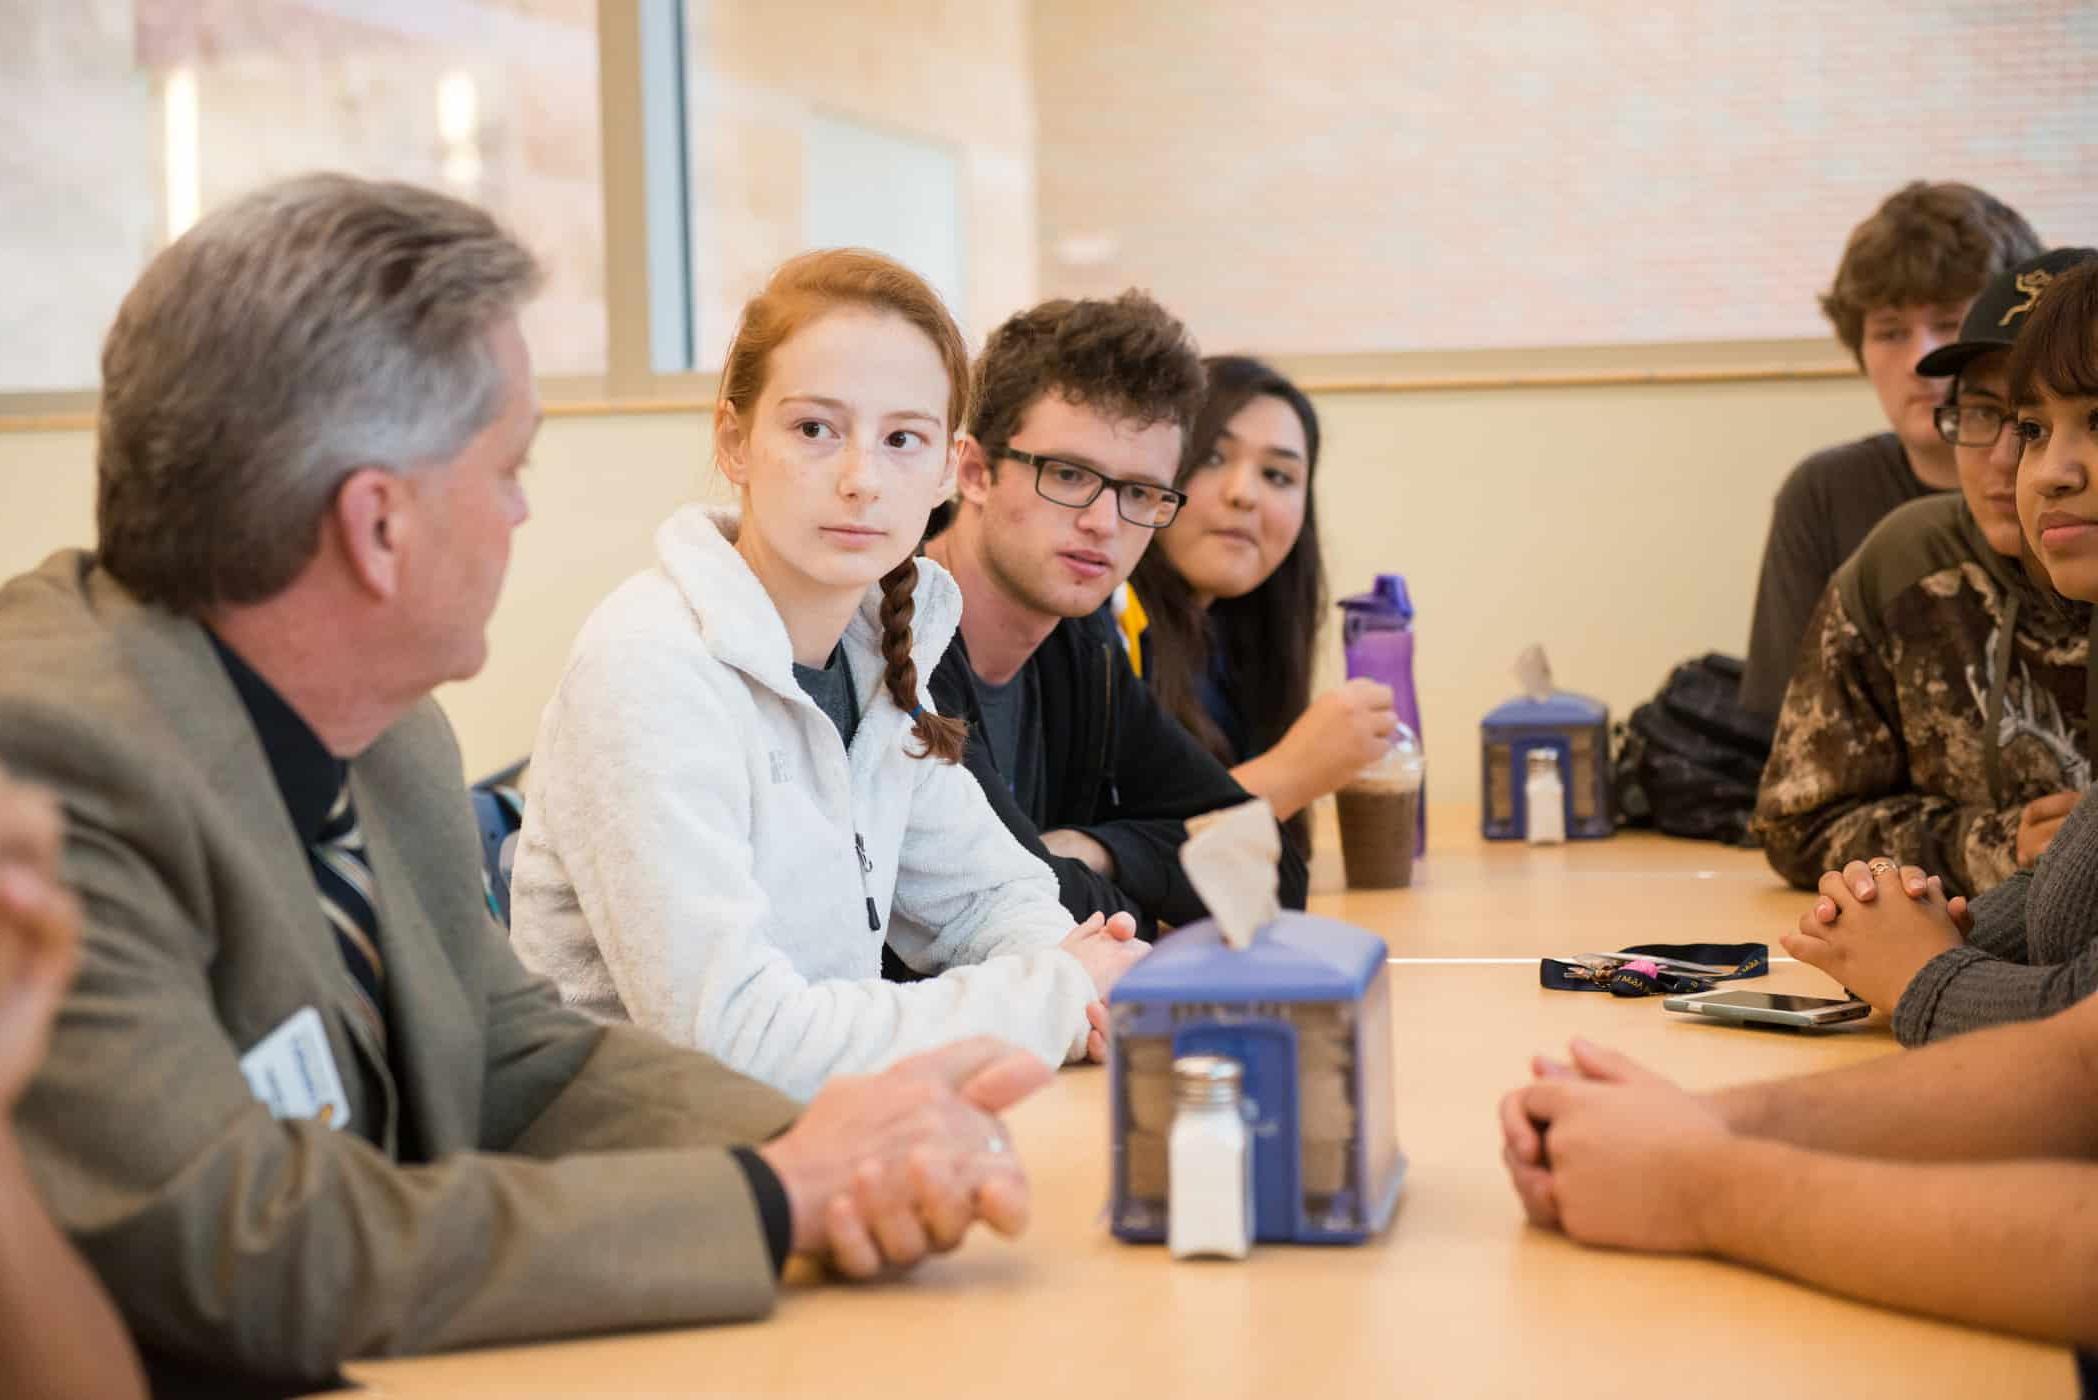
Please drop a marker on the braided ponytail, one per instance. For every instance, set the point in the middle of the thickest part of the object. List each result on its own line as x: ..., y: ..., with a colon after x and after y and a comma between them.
x: 940, y: 736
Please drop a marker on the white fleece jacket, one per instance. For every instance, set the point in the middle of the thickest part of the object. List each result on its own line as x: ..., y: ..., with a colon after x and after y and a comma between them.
x: 691, y: 855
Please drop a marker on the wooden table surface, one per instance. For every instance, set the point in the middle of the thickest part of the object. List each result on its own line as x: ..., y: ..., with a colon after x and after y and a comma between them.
x: 1477, y: 898
x: 1460, y: 1298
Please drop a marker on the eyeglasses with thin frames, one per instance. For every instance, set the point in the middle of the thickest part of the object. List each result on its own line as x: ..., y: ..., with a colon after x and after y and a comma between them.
x: 1143, y: 503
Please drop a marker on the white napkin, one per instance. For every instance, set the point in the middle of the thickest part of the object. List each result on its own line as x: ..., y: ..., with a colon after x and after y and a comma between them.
x: 1230, y: 858
x: 1533, y: 672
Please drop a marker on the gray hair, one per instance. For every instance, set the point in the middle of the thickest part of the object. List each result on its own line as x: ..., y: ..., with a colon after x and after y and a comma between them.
x: 314, y: 327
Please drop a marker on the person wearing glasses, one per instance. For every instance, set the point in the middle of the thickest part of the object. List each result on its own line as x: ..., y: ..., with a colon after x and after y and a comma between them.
x: 302, y: 1103
x: 741, y: 794
x: 1961, y: 1180
x: 1223, y: 614
x: 1082, y: 411
x: 1938, y: 714
x: 2028, y: 947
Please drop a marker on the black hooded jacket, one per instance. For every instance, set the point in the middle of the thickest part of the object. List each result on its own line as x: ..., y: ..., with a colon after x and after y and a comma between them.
x: 1115, y: 766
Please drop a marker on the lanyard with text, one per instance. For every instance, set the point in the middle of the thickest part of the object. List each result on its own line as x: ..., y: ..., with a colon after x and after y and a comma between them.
x: 1652, y: 968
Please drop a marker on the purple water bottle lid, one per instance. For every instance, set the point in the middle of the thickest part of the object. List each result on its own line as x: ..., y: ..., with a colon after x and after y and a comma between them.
x: 1387, y: 598
x: 1392, y: 589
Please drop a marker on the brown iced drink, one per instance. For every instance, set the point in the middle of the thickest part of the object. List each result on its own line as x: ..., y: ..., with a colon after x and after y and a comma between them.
x: 1377, y: 817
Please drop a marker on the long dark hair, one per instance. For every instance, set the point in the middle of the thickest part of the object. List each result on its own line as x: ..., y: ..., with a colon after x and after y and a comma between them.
x: 1268, y: 635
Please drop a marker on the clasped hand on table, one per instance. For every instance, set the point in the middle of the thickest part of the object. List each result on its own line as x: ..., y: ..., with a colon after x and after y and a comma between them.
x: 1875, y: 946
x: 882, y: 1170
x: 1610, y: 1152
x: 1614, y: 1154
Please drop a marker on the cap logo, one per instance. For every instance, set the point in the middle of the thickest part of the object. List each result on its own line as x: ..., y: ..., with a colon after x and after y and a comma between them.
x: 2032, y: 284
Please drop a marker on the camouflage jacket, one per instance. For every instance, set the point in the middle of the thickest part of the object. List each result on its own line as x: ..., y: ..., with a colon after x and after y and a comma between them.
x: 1885, y: 745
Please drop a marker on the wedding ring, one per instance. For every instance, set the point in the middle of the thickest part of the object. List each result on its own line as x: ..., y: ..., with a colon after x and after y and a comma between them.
x: 1880, y: 865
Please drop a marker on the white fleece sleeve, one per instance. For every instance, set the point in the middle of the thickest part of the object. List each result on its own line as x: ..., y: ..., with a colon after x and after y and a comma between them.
x: 970, y: 900
x: 645, y: 795
x: 974, y: 891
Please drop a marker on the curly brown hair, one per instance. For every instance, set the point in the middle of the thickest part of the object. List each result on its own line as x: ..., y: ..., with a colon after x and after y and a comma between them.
x: 1129, y: 359
x: 1926, y: 245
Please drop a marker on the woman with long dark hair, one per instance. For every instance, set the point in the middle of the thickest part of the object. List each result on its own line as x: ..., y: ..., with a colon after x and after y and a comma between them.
x: 1224, y: 611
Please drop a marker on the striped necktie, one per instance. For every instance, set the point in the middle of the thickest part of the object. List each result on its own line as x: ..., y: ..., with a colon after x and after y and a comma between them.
x: 344, y: 875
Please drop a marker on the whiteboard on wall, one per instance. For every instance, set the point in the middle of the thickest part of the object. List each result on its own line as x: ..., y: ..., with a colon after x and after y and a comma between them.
x: 868, y: 187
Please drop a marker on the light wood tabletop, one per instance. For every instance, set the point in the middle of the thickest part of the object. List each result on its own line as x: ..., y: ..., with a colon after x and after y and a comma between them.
x: 1459, y: 1298
x: 1476, y: 898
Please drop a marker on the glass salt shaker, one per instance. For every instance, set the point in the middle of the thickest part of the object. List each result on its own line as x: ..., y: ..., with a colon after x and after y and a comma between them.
x: 1544, y: 800
x: 1209, y: 1205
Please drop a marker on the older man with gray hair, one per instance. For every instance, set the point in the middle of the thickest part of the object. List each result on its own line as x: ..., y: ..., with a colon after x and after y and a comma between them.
x: 302, y: 1103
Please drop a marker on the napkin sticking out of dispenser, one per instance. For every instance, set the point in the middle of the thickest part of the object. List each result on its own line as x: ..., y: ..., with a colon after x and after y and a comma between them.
x: 1533, y: 672
x: 1545, y: 762
x: 1302, y: 1005
x: 1231, y: 857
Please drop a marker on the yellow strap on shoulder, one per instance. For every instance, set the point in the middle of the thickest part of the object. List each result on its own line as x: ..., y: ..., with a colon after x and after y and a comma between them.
x: 1130, y: 617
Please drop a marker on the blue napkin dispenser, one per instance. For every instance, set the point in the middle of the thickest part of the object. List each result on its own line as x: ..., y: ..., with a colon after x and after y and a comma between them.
x: 1576, y: 731
x: 1306, y: 1011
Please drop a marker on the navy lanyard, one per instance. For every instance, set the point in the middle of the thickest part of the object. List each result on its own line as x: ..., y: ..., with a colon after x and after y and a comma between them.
x: 1651, y: 968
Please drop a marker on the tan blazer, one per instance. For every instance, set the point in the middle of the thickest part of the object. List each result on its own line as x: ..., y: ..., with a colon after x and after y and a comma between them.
x: 570, y: 1177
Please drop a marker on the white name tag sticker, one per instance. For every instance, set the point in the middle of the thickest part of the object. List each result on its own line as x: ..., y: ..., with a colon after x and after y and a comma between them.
x: 292, y: 1071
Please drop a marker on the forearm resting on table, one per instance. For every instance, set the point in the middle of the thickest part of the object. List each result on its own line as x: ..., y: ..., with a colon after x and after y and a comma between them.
x: 1288, y: 787
x: 2005, y: 1245
x: 2025, y: 1090
x: 60, y: 1337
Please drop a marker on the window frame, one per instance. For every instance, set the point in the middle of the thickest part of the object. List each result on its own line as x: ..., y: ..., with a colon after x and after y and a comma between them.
x: 649, y: 301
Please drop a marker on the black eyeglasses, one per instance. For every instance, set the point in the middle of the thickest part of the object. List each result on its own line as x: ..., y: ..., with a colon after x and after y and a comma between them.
x: 1971, y: 424
x: 1068, y: 484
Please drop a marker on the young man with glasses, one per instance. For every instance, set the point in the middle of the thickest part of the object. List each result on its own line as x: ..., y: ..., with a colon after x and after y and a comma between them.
x: 1079, y: 416
x: 1938, y: 713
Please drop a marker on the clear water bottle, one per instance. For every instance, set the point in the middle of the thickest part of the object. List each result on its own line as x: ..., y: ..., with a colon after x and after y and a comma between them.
x: 1376, y: 633
x: 1380, y: 815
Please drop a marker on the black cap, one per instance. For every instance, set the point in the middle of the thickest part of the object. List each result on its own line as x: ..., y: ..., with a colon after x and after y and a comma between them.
x: 1992, y: 322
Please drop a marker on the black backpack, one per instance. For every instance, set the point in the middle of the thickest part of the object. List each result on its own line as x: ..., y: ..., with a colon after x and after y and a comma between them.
x: 1689, y: 760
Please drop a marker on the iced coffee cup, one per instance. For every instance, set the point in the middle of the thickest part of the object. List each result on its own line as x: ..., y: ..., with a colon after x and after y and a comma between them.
x: 1379, y: 813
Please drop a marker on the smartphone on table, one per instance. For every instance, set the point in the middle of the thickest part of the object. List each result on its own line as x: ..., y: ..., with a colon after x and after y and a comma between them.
x: 1770, y: 1008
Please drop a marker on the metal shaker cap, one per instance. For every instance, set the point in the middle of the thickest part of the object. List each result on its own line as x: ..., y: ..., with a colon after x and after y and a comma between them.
x: 1207, y: 1079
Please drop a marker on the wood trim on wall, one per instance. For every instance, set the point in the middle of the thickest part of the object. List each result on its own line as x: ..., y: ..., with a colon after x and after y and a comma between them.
x: 1572, y: 379
x: 1327, y: 385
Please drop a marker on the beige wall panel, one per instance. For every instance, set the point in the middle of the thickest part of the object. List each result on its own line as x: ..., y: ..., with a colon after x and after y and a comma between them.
x: 47, y: 496
x: 1620, y: 526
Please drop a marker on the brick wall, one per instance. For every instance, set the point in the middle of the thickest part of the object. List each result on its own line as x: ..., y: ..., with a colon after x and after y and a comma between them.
x: 1359, y: 175
x: 284, y: 86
